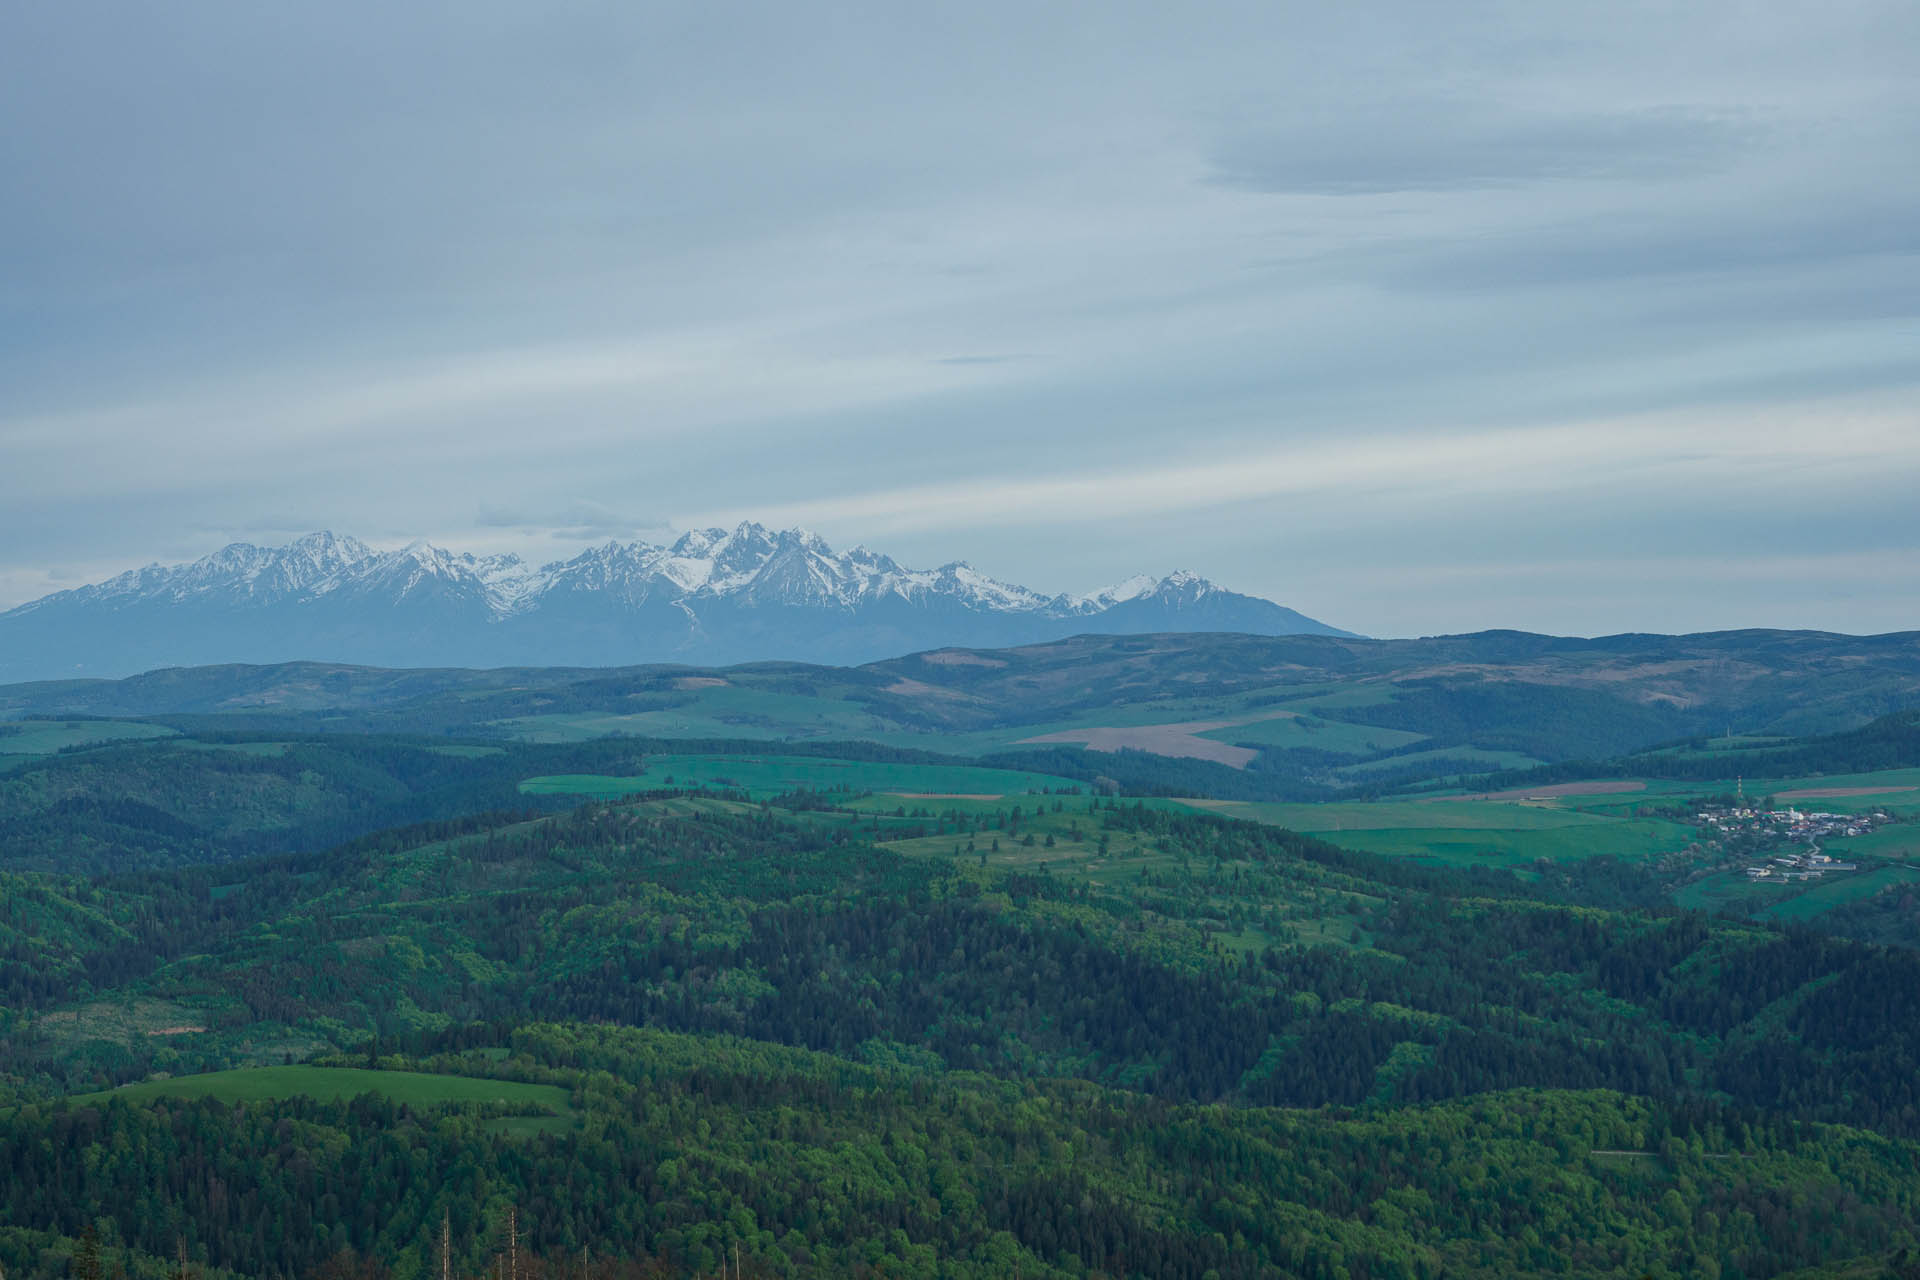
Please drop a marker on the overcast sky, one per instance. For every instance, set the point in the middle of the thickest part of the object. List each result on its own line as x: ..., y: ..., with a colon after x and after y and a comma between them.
x: 1417, y: 317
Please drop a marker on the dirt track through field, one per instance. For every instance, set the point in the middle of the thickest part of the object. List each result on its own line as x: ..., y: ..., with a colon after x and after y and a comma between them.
x: 1554, y: 791
x: 1835, y: 793
x: 1182, y: 739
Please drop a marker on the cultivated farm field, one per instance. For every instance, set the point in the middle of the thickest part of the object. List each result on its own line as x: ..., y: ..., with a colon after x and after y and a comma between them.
x: 44, y: 737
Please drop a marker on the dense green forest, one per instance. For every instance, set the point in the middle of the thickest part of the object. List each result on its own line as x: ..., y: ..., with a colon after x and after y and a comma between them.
x: 708, y: 915
x: 683, y: 1149
x: 1073, y: 1030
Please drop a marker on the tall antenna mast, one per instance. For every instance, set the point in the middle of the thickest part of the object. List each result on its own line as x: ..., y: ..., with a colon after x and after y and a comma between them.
x: 446, y: 1244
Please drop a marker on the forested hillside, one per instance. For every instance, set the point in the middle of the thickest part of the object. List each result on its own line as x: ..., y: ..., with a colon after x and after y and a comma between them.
x: 282, y: 999
x: 683, y: 1154
x: 1305, y: 717
x: 712, y: 917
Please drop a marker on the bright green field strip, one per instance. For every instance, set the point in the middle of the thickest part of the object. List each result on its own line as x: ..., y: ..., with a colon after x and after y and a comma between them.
x: 1320, y: 735
x: 1479, y: 815
x: 1468, y: 759
x: 1466, y: 847
x: 1896, y: 840
x: 44, y: 737
x: 762, y: 776
x: 1890, y: 800
x: 1795, y: 900
x: 1837, y: 889
x: 260, y: 1084
x: 10, y: 763
x: 1883, y: 786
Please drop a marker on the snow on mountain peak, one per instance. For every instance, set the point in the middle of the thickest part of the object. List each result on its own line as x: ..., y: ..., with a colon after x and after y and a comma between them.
x: 1126, y: 589
x: 749, y: 562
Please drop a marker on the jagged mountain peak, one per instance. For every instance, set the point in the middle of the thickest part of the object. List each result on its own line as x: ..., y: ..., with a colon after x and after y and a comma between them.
x: 327, y: 542
x: 713, y: 594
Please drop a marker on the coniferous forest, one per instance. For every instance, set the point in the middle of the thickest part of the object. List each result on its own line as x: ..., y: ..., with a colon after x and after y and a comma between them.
x: 362, y: 1007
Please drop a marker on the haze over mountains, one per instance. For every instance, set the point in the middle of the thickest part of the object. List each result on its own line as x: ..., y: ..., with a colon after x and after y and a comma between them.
x: 714, y: 596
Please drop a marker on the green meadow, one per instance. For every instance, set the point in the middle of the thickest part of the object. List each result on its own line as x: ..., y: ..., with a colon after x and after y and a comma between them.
x: 1468, y: 832
x: 744, y: 712
x: 44, y: 737
x: 1790, y: 902
x: 1380, y: 815
x: 1836, y: 890
x: 1899, y: 841
x: 1521, y: 846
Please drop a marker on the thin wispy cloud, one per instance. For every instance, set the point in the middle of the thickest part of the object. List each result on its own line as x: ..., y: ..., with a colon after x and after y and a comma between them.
x: 1292, y: 296
x: 1827, y: 443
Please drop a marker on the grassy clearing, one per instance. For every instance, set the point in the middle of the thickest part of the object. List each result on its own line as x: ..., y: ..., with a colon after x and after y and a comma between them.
x: 1899, y: 841
x: 764, y: 776
x: 1829, y: 892
x: 1731, y: 891
x: 44, y: 737
x: 732, y: 711
x: 414, y: 1088
x: 122, y: 1021
x: 1382, y: 815
x: 1889, y: 800
x: 1468, y: 832
x: 1520, y: 848
x: 130, y: 1020
x: 1879, y: 785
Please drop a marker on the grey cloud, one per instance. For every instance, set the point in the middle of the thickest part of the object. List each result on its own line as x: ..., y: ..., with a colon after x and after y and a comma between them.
x: 1450, y: 145
x: 581, y: 520
x: 1647, y: 244
x: 532, y: 276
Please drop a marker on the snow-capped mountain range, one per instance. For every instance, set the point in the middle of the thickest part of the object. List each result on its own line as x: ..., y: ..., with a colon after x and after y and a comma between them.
x: 714, y: 596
